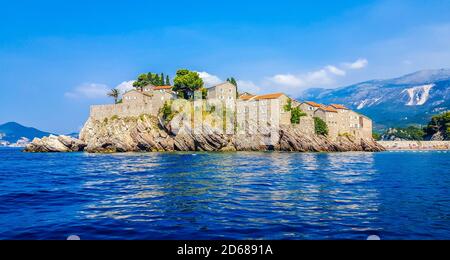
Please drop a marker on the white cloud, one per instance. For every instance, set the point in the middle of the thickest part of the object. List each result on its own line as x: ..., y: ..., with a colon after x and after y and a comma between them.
x: 287, y: 80
x: 209, y: 80
x: 357, y: 65
x: 336, y: 71
x: 326, y: 76
x: 88, y: 91
x: 125, y: 86
x: 248, y: 86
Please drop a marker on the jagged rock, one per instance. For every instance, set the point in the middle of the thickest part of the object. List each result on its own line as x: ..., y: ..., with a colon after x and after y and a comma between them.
x: 147, y: 134
x: 293, y: 140
x: 55, y: 144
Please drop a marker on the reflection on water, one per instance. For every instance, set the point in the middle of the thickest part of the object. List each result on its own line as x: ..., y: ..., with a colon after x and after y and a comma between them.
x: 233, y: 195
x: 273, y: 189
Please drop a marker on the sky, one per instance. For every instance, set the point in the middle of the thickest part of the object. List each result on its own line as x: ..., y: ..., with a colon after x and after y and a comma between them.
x: 59, y: 57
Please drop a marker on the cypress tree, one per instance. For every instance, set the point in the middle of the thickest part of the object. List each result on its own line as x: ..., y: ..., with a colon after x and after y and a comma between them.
x: 156, y: 80
x: 161, y: 80
x: 168, y: 81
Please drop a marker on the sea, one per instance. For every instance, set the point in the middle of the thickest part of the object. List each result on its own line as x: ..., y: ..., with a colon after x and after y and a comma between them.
x: 237, y: 196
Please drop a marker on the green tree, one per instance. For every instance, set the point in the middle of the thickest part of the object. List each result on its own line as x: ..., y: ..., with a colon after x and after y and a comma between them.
x: 204, y: 93
x: 296, y: 114
x: 150, y: 78
x: 412, y: 133
x: 288, y: 106
x: 439, y: 124
x: 141, y: 82
x: 376, y: 136
x: 114, y: 93
x: 168, y: 81
x: 232, y: 81
x: 187, y: 82
x: 161, y: 80
x: 320, y: 126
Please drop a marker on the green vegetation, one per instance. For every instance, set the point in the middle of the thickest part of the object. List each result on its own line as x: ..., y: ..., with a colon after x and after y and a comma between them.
x: 232, y: 81
x: 410, y: 133
x: 296, y: 112
x: 204, y: 93
x: 439, y: 124
x: 348, y: 135
x: 320, y: 126
x: 166, y: 111
x: 376, y: 136
x: 187, y: 82
x: 114, y: 93
x: 288, y: 106
x: 154, y: 79
x: 115, y: 117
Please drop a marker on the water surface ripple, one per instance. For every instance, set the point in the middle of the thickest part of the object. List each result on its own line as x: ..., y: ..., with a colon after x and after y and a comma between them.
x: 225, y: 196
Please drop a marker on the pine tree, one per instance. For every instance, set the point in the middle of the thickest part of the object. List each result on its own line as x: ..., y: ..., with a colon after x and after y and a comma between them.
x: 156, y: 80
x: 161, y: 80
x: 150, y: 77
x: 232, y: 80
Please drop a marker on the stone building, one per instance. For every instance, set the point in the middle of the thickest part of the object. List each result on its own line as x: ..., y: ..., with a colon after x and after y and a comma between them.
x: 226, y: 92
x: 310, y: 107
x: 264, y: 108
x: 248, y: 112
x: 341, y: 120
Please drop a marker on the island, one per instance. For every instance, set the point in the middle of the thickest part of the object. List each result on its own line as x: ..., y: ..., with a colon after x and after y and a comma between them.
x: 157, y: 116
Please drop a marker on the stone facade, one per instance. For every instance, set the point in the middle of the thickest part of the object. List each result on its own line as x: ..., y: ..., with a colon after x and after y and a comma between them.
x: 264, y: 108
x: 309, y: 108
x: 134, y: 103
x: 226, y: 92
x: 340, y: 120
x: 252, y: 113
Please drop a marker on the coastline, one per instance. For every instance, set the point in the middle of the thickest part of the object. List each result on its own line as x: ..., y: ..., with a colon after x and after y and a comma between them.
x: 415, y: 145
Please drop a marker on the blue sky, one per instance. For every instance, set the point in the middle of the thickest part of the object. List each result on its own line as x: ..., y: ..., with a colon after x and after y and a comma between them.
x: 59, y: 57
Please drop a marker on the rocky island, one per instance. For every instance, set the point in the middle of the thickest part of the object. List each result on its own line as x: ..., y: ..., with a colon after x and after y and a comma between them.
x: 163, y: 118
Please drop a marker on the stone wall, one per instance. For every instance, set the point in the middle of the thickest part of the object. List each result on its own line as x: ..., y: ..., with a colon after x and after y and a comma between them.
x: 101, y: 112
x: 415, y: 145
x: 306, y: 125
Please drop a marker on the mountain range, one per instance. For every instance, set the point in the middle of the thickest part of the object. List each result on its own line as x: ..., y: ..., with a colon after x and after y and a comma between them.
x: 408, y: 100
x: 15, y: 134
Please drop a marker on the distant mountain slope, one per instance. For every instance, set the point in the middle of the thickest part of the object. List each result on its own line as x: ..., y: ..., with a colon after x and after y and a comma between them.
x: 411, y: 99
x: 12, y: 132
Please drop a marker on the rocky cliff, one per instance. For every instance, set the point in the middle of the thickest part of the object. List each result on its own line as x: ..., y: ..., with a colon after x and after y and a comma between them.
x: 147, y: 134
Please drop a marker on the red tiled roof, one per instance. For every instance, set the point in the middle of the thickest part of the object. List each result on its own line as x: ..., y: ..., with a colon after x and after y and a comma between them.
x: 246, y: 97
x: 337, y: 106
x: 269, y: 96
x: 314, y: 104
x: 328, y: 109
x: 162, y: 87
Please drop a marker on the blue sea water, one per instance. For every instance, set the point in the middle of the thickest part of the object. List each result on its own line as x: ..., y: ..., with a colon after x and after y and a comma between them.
x: 395, y: 195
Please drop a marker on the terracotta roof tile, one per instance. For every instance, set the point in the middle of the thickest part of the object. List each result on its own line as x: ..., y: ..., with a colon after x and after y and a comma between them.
x: 269, y: 96
x: 314, y: 104
x: 337, y: 106
x: 246, y: 97
x: 329, y: 109
x: 162, y: 87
